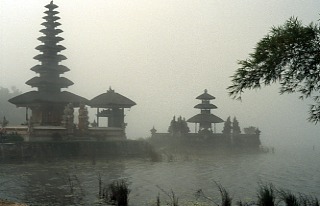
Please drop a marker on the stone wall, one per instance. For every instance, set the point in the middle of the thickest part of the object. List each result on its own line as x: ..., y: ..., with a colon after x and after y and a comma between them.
x: 49, y: 151
x: 197, y: 142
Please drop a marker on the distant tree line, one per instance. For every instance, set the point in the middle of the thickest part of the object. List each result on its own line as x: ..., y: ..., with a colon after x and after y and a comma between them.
x: 179, y: 126
x: 8, y: 111
x: 234, y: 127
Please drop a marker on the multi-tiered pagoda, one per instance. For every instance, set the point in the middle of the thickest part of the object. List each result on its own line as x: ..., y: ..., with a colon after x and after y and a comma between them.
x: 205, y: 118
x: 47, y: 103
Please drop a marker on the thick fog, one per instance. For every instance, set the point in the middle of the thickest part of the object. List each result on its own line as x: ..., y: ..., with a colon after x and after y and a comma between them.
x: 162, y: 54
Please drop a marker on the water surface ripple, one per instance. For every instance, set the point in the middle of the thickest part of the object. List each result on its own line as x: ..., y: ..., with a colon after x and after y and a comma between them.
x: 76, y: 182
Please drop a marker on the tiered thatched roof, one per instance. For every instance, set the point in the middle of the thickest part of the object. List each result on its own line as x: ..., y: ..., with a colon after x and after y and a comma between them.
x: 111, y: 99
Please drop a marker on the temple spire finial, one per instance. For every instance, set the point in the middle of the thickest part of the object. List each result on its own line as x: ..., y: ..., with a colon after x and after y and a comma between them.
x: 110, y: 89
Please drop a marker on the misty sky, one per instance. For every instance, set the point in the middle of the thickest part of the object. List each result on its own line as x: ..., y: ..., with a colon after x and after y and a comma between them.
x: 161, y: 54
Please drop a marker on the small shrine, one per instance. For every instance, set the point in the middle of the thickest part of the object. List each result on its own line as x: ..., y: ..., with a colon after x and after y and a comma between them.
x: 205, y: 118
x: 48, y: 102
x: 113, y: 105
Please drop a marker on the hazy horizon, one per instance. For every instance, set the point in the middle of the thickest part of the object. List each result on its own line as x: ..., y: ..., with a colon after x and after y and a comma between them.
x: 162, y: 54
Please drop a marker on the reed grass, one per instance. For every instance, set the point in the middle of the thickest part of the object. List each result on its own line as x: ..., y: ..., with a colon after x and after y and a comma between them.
x: 266, y: 195
x: 226, y: 200
x: 288, y: 198
x: 173, y: 199
x: 115, y: 193
x: 154, y: 155
x: 308, y: 201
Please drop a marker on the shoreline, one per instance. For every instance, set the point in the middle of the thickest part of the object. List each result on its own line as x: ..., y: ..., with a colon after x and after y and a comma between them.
x: 4, y: 202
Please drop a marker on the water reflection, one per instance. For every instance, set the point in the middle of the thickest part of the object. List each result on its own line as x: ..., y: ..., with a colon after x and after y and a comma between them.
x: 53, y: 184
x: 58, y: 183
x: 76, y: 182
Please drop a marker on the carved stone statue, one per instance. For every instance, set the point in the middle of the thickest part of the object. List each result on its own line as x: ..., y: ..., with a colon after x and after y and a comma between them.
x: 83, y: 119
x: 68, y: 118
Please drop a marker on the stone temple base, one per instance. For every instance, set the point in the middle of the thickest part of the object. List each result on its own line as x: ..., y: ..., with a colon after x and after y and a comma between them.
x: 58, y: 133
x: 106, y: 133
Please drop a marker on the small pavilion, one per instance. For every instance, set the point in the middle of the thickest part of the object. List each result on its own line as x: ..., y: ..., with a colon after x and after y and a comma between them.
x: 113, y: 105
x: 48, y: 102
x: 205, y: 118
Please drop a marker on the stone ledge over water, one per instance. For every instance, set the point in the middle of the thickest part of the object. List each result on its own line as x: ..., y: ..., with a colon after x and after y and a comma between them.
x: 24, y: 151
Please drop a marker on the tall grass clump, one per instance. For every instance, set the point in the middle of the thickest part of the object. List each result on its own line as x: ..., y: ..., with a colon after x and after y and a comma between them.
x: 173, y: 199
x: 308, y: 201
x: 158, y: 203
x: 226, y: 200
x: 115, y: 193
x: 288, y: 198
x: 154, y: 155
x: 266, y: 195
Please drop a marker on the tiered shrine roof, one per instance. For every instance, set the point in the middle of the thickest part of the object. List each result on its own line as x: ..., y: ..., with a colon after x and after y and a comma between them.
x: 111, y: 99
x: 205, y: 107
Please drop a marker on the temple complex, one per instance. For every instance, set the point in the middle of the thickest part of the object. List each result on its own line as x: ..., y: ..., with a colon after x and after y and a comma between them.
x: 205, y: 139
x: 48, y: 102
x: 52, y: 110
x: 205, y: 118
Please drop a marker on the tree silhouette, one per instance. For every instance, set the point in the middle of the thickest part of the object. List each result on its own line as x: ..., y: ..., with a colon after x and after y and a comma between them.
x: 179, y: 126
x: 290, y: 55
x: 235, y: 126
x: 13, y: 114
x: 4, y: 122
x: 227, y: 126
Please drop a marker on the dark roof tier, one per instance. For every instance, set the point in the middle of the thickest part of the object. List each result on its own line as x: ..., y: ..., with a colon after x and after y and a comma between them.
x: 50, y: 24
x: 60, y: 69
x: 111, y: 99
x: 53, y: 48
x: 35, y: 98
x: 205, y: 118
x: 205, y: 106
x: 60, y: 82
x: 51, y: 6
x: 50, y: 57
x: 51, y: 31
x: 51, y: 18
x: 51, y: 12
x: 205, y: 96
x: 50, y: 39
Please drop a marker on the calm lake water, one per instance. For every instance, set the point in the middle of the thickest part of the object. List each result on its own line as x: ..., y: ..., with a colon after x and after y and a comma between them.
x: 53, y: 183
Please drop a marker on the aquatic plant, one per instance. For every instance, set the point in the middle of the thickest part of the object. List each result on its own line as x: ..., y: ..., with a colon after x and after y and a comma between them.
x: 240, y: 203
x: 154, y: 155
x: 226, y: 200
x: 173, y: 199
x: 116, y: 193
x: 266, y: 195
x: 158, y: 200
x: 288, y: 198
x: 305, y: 200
